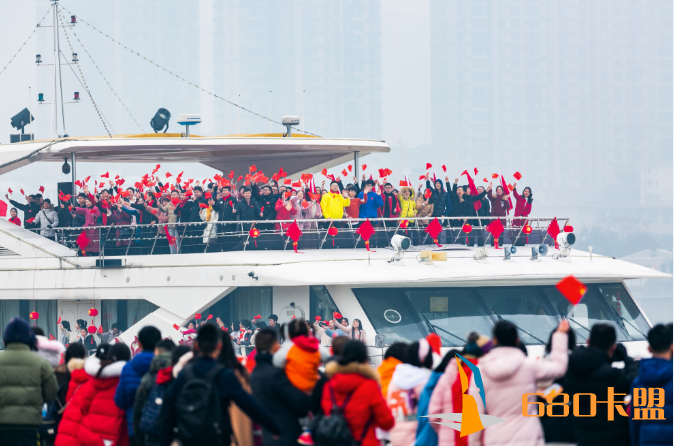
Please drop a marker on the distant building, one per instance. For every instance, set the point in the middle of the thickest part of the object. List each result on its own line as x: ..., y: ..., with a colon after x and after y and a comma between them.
x: 655, y: 296
x: 543, y: 87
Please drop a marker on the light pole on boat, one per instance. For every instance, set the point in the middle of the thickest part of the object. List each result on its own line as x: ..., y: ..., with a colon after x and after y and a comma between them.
x: 356, y: 156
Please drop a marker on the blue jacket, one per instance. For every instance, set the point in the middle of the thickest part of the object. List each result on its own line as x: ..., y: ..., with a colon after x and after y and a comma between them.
x: 426, y: 435
x: 370, y: 207
x: 653, y: 372
x: 125, y: 396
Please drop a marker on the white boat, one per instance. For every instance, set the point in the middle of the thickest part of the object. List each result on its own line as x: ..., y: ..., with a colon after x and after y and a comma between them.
x: 400, y: 300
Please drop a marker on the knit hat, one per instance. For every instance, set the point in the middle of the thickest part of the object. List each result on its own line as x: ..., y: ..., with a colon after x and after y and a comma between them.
x: 18, y: 330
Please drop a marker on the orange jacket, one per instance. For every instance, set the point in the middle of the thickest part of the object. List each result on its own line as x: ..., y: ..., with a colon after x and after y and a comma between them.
x: 300, y: 357
x: 385, y: 371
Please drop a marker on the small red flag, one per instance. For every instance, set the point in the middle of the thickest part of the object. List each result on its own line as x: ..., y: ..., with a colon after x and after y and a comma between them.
x: 197, y: 315
x: 252, y: 168
x: 363, y: 167
x: 207, y: 195
x: 475, y: 170
x: 518, y: 176
x: 3, y: 209
x: 59, y: 321
x: 231, y: 175
x: 210, y: 316
x: 572, y: 289
x: 106, y: 175
x: 203, y: 206
x: 428, y: 194
x: 444, y: 168
x: 305, y: 204
x: 239, y: 179
x: 30, y: 220
x: 41, y: 189
x: 494, y: 175
x: 318, y: 318
x: 86, y: 180
x: 485, y: 180
x: 168, y: 175
x: 421, y: 177
x: 176, y: 326
x: 428, y: 166
x: 345, y: 173
x: 350, y: 167
x: 287, y: 181
x: 324, y: 172
x: 10, y: 191
x: 337, y: 315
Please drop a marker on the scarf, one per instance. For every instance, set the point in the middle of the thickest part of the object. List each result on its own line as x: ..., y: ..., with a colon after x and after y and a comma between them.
x: 457, y: 399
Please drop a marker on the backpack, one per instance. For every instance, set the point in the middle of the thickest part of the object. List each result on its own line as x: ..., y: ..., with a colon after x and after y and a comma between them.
x: 333, y: 430
x: 149, y: 420
x: 199, y: 415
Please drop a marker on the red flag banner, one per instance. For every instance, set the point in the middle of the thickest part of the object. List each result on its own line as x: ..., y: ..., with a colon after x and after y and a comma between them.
x: 572, y: 289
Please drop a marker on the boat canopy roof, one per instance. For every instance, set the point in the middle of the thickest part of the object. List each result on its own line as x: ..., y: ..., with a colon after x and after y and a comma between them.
x: 268, y: 152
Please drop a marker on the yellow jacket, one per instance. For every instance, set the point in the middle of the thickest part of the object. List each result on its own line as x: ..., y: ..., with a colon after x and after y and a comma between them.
x: 333, y: 205
x: 408, y: 208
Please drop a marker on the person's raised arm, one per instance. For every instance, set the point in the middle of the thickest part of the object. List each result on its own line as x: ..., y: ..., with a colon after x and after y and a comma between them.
x: 246, y: 402
x: 559, y: 357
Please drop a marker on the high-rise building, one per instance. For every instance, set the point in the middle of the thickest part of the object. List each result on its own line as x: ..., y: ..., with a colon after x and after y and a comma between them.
x: 319, y: 59
x: 576, y: 95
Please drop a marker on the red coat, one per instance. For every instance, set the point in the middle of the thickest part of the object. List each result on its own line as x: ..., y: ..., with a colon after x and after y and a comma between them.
x: 101, y: 418
x: 72, y: 417
x: 366, y: 403
x: 522, y: 208
x: 284, y: 214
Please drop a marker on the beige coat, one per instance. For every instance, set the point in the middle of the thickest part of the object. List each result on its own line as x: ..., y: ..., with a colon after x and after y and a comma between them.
x: 423, y: 210
x: 170, y: 210
x: 242, y: 426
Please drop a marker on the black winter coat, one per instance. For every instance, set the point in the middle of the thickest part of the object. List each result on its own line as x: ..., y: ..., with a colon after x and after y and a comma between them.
x: 268, y: 202
x: 246, y: 211
x: 590, y: 371
x: 485, y: 210
x: 194, y: 211
x: 283, y: 400
x: 438, y: 199
x: 229, y: 390
x: 224, y: 208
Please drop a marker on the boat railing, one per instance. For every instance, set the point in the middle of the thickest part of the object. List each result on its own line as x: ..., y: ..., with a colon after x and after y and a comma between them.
x: 202, y: 237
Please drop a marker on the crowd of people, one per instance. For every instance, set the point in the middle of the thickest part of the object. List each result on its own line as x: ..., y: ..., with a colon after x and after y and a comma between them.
x: 306, y: 384
x: 213, y: 207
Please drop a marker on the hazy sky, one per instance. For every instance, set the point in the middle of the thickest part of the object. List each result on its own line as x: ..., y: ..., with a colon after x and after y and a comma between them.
x: 573, y: 127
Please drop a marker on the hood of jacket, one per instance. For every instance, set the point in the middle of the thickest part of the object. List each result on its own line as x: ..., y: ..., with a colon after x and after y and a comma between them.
x: 305, y: 343
x: 403, y: 189
x: 346, y: 383
x: 141, y: 362
x: 165, y: 375
x: 442, y: 186
x: 333, y: 368
x: 655, y: 372
x: 75, y: 364
x: 159, y: 362
x: 182, y: 362
x: 585, y: 360
x: 92, y: 365
x: 407, y: 376
x: 502, y: 363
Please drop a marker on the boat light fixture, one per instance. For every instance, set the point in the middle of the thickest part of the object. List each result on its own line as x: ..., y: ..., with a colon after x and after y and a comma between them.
x: 40, y: 98
x: 77, y: 96
x: 252, y: 275
x: 161, y: 119
x: 38, y: 59
x: 400, y: 244
x: 564, y: 240
x: 73, y: 20
x: 75, y: 59
x: 480, y: 253
x: 66, y: 167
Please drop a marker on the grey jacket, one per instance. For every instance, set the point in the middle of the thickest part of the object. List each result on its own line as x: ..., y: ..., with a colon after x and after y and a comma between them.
x: 44, y: 219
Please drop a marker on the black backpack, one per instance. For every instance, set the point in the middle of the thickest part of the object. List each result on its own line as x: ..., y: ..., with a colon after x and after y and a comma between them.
x: 333, y: 430
x: 149, y: 420
x: 199, y: 415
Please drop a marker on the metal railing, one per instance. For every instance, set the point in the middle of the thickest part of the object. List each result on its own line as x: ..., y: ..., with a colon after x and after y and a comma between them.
x: 118, y: 240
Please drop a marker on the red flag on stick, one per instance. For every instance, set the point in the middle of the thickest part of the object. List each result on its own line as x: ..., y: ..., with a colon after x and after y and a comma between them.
x: 473, y: 190
x: 572, y: 289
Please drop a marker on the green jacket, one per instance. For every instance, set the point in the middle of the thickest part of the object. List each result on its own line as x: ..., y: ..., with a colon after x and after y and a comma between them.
x: 27, y: 381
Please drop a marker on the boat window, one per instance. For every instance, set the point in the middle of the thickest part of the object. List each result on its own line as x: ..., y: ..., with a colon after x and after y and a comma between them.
x: 391, y: 313
x: 321, y: 303
x: 242, y: 303
x: 523, y: 306
x: 598, y: 306
x: 409, y: 314
x: 451, y: 313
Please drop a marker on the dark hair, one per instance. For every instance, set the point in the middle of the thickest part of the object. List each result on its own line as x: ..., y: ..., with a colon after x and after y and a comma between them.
x: 179, y: 352
x: 148, y: 337
x: 76, y: 350
x: 471, y: 347
x: 266, y: 186
x: 338, y: 344
x: 412, y: 356
x: 102, y: 351
x: 38, y: 331
x: 334, y: 182
x: 531, y: 195
x: 345, y: 319
x: 163, y: 199
x: 66, y: 325
x: 166, y: 345
x: 352, y: 335
x: 82, y: 323
x: 115, y: 325
x: 198, y: 188
x: 261, y: 325
x: 15, y: 210
x: 659, y: 338
x: 396, y: 350
x: 193, y: 322
x: 388, y: 184
x: 37, y: 196
x: 445, y: 360
x: 226, y: 187
x: 246, y: 189
x: 505, y: 333
x: 47, y: 200
x: 227, y: 357
x: 265, y: 340
x: 602, y: 336
x: 297, y: 327
x: 207, y: 338
x: 245, y: 323
x: 354, y: 351
x: 370, y: 182
x: 83, y: 195
x: 119, y: 352
x: 273, y: 317
x: 571, y: 344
